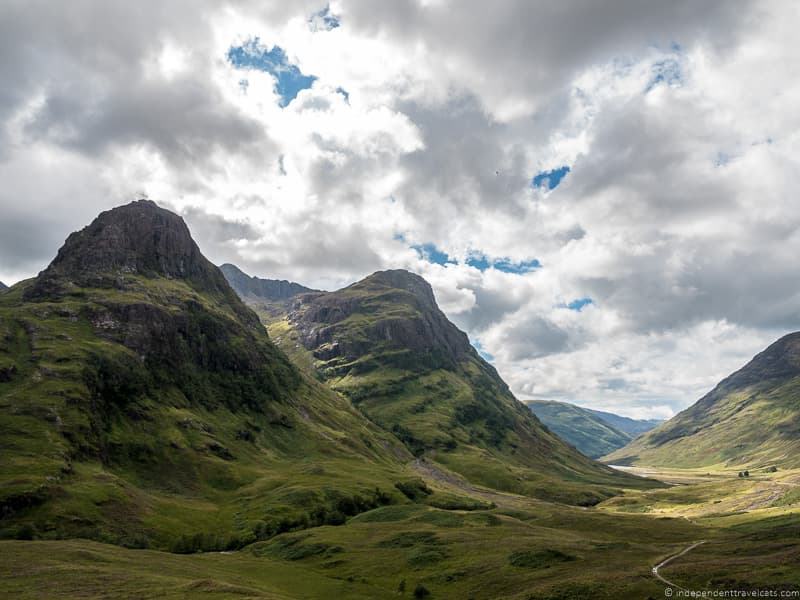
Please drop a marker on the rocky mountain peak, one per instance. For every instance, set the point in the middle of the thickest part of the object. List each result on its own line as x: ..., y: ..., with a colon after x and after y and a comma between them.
x: 401, y: 279
x: 139, y: 238
x: 394, y: 310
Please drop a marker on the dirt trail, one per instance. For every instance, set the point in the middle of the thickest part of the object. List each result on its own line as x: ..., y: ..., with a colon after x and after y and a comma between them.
x: 666, y: 561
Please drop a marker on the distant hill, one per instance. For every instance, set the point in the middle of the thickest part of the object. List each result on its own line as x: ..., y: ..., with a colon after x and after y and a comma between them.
x: 3, y: 287
x: 594, y: 433
x: 257, y: 289
x: 751, y: 418
x: 633, y: 427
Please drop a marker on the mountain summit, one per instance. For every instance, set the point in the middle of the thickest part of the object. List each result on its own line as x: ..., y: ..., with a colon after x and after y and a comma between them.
x: 139, y: 238
x: 384, y: 343
x: 750, y: 418
x: 389, y: 317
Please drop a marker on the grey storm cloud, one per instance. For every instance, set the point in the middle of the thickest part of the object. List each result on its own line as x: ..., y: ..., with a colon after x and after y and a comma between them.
x: 90, y: 64
x: 533, y: 49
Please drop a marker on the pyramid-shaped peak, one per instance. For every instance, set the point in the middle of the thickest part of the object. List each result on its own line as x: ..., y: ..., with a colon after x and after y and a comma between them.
x: 402, y: 280
x: 139, y: 238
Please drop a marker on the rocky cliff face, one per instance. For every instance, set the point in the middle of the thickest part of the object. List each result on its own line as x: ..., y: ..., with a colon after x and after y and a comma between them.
x: 141, y: 281
x: 389, y: 311
x: 139, y: 238
x: 264, y: 290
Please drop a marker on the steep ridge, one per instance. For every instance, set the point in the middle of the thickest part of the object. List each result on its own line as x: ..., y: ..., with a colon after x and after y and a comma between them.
x: 580, y: 427
x: 256, y: 289
x: 142, y: 403
x: 750, y: 419
x: 384, y: 344
x: 3, y: 287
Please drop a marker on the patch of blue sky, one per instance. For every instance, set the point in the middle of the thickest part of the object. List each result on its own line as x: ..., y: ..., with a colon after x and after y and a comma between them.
x: 484, y: 354
x: 289, y: 80
x: 506, y: 265
x: 324, y: 20
x: 668, y: 72
x: 432, y: 254
x: 549, y: 180
x: 579, y: 303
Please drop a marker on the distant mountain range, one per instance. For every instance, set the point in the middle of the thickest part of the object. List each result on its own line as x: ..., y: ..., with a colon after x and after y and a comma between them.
x: 749, y: 419
x: 3, y: 286
x: 593, y: 432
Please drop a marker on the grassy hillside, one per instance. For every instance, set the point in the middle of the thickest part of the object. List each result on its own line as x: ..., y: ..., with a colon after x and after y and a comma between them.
x: 590, y: 434
x: 632, y: 427
x: 151, y: 410
x: 384, y: 344
x: 749, y: 419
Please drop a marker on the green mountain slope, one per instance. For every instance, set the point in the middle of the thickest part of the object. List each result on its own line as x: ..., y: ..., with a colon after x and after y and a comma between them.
x: 142, y: 403
x: 749, y: 419
x: 384, y: 344
x: 631, y: 427
x: 580, y: 427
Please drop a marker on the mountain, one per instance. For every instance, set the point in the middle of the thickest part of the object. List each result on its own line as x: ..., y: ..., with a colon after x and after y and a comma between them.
x: 3, y: 287
x: 583, y: 428
x: 632, y: 427
x: 142, y: 403
x: 384, y: 344
x: 256, y: 289
x: 749, y: 419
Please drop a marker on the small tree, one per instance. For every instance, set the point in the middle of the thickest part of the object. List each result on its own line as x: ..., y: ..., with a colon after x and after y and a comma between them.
x: 747, y: 473
x: 741, y: 474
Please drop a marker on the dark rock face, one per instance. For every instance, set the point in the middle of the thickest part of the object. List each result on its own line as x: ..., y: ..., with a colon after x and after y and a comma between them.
x: 139, y: 238
x: 255, y: 288
x: 198, y: 337
x: 397, y: 311
x: 3, y: 287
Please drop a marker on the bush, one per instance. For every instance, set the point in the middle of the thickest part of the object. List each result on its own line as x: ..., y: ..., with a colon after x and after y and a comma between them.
x: 421, y: 591
x: 26, y: 532
x: 414, y: 489
x: 534, y: 559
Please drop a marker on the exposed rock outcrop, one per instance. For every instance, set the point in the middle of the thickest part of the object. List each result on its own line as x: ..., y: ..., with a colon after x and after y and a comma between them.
x: 391, y: 310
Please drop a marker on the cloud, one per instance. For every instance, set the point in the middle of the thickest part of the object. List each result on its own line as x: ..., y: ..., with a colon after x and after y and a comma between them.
x: 437, y: 137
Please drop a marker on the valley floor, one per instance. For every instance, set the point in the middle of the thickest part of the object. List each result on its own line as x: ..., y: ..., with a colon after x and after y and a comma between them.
x: 521, y: 548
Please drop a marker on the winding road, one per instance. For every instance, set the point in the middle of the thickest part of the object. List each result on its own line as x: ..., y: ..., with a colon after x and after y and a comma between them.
x: 666, y: 561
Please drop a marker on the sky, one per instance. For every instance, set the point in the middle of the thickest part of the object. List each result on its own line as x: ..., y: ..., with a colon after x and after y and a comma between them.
x: 603, y: 195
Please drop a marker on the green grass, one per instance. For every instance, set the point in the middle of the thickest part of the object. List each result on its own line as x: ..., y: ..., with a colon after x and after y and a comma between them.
x: 750, y: 420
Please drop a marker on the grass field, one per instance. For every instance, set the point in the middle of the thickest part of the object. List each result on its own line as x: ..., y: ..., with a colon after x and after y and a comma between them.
x: 514, y: 547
